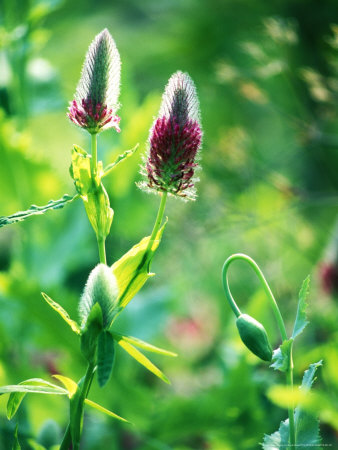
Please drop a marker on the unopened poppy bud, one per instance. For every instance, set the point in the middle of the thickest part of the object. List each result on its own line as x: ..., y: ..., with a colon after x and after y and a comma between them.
x: 254, y: 336
x: 174, y: 141
x: 96, y: 97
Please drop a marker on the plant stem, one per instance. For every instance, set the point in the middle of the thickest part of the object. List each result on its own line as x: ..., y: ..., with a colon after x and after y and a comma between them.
x: 259, y: 273
x: 291, y: 413
x: 93, y: 162
x: 93, y: 168
x: 158, y: 221
x: 279, y: 319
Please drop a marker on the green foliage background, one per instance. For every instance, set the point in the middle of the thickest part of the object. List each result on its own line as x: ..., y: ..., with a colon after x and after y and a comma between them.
x: 267, y: 78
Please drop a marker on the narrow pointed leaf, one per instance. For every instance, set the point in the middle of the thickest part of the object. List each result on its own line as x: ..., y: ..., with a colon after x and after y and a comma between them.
x: 15, y: 398
x: 144, y: 345
x: 37, y: 210
x: 301, y: 320
x: 104, y: 410
x: 132, y: 270
x: 93, y: 328
x: 68, y: 383
x: 105, y: 357
x: 63, y: 313
x: 136, y: 354
x: 119, y: 159
x: 279, y: 439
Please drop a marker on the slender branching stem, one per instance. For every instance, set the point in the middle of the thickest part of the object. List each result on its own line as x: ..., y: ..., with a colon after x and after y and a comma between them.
x: 277, y: 314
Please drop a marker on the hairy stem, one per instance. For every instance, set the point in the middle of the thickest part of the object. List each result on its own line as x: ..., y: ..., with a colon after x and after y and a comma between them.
x: 101, y: 241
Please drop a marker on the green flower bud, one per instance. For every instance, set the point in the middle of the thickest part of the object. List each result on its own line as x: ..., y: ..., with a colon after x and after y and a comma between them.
x: 254, y: 336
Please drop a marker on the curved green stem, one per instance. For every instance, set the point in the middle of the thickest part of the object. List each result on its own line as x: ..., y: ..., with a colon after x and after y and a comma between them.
x: 278, y: 316
x: 259, y: 273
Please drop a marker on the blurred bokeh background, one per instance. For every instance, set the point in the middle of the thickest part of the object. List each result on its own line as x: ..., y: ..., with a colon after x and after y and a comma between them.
x: 267, y: 78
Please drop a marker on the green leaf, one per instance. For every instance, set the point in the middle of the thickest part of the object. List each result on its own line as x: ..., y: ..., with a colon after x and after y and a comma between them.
x: 136, y: 354
x: 98, y: 210
x: 101, y: 288
x: 80, y: 170
x: 63, y: 313
x: 36, y: 210
x: 105, y: 357
x: 17, y: 395
x: 279, y: 439
x: 68, y: 383
x: 16, y: 443
x: 307, y: 425
x: 89, y: 337
x: 132, y: 270
x: 309, y: 406
x: 104, y: 410
x: 301, y: 320
x: 144, y: 345
x: 75, y: 413
x: 119, y: 159
x: 281, y: 356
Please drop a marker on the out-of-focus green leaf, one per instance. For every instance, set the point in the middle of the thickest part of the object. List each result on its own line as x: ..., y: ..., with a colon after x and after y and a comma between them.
x: 36, y: 210
x: 301, y: 320
x: 281, y: 356
x: 16, y: 444
x: 63, y: 313
x: 68, y: 383
x: 119, y: 159
x: 136, y: 354
x: 16, y: 396
x: 144, y: 345
x: 104, y: 410
x: 132, y: 270
x: 105, y: 357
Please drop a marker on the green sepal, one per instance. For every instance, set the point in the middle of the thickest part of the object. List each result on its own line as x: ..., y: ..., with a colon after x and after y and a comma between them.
x: 105, y: 357
x: 33, y: 385
x: 37, y: 210
x: 90, y: 334
x: 254, y: 336
x: 140, y: 358
x: 63, y: 313
x: 142, y: 344
x: 301, y: 320
x: 281, y: 356
x: 119, y: 159
x: 132, y: 270
x: 16, y: 444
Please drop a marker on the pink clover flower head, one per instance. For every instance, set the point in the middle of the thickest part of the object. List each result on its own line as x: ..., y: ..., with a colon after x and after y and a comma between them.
x: 174, y: 141
x: 96, y: 98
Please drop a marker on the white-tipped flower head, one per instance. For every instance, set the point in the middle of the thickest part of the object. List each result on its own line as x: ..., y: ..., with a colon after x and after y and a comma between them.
x: 174, y: 141
x: 96, y: 97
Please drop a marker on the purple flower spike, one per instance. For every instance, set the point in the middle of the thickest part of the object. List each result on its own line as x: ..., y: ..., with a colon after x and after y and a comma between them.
x: 174, y: 141
x: 96, y: 97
